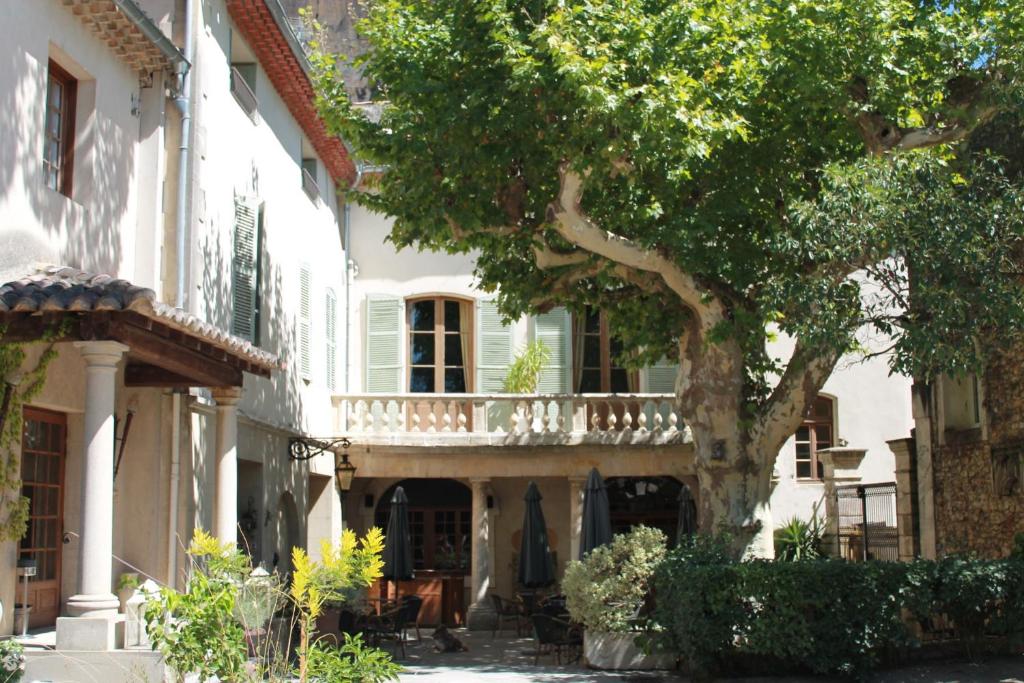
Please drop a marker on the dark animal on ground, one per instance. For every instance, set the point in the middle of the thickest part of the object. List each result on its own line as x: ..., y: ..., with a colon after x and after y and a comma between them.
x: 445, y: 641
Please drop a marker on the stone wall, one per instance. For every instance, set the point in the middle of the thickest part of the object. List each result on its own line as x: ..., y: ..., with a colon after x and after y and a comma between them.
x: 979, y: 497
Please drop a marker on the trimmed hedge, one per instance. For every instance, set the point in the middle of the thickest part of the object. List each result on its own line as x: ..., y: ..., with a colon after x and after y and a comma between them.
x: 823, y: 616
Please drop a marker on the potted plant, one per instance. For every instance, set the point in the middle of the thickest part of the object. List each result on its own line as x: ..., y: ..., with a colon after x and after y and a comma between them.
x: 607, y: 591
x: 127, y: 583
x: 12, y: 661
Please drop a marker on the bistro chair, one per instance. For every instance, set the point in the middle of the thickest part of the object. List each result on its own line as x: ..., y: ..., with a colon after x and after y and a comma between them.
x: 557, y: 636
x: 389, y: 626
x: 412, y: 604
x: 506, y: 610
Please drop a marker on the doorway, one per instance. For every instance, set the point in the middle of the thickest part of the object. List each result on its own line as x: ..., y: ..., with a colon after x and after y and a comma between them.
x: 43, y: 455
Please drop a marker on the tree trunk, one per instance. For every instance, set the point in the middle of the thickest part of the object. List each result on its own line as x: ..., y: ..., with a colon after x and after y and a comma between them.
x: 735, y: 492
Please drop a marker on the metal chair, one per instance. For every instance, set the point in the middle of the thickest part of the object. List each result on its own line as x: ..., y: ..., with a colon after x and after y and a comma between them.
x: 389, y: 626
x: 556, y: 635
x: 412, y: 604
x: 505, y: 610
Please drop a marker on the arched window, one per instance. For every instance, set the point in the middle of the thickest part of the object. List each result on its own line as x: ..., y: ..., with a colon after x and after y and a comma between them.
x: 440, y: 345
x: 817, y: 432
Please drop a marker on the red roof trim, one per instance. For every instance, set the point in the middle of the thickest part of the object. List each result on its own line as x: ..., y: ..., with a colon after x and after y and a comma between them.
x: 263, y: 34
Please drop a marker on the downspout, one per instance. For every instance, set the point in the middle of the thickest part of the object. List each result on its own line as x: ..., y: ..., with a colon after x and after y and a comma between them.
x: 349, y: 270
x: 183, y: 102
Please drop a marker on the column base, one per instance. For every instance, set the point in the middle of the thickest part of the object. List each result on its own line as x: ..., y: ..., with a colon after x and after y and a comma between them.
x: 91, y: 634
x: 98, y: 605
x: 481, y: 616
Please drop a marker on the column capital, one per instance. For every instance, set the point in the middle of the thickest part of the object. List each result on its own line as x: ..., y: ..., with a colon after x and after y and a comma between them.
x: 226, y: 396
x: 101, y: 353
x: 578, y: 479
x: 480, y: 480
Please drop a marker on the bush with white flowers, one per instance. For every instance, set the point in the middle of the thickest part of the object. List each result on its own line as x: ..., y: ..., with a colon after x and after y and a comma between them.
x: 12, y: 661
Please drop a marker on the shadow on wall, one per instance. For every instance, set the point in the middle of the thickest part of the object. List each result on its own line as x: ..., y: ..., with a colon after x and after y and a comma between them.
x: 89, y: 225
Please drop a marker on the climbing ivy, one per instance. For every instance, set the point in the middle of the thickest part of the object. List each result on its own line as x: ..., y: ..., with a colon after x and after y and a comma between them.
x: 14, y: 396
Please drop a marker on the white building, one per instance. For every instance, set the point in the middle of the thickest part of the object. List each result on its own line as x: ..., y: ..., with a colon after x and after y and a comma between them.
x: 197, y: 403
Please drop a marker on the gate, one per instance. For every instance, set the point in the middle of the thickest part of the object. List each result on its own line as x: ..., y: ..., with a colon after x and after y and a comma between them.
x: 867, y: 522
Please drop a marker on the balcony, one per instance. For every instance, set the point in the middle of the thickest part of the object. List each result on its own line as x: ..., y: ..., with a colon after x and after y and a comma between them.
x: 510, y: 419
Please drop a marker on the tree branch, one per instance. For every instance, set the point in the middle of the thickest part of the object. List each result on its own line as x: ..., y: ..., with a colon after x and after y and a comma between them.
x: 576, y: 228
x: 547, y: 258
x: 784, y: 410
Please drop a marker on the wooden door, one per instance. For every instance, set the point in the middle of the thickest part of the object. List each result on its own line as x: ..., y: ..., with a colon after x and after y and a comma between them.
x: 43, y: 451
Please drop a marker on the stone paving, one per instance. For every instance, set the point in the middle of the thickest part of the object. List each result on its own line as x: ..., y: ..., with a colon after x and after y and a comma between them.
x: 506, y: 659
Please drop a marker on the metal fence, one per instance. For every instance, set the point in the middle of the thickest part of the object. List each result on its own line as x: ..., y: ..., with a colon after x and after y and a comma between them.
x: 867, y: 522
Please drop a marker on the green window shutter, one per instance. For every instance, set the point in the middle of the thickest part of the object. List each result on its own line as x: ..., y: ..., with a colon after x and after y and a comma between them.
x: 384, y: 327
x: 554, y: 328
x: 331, y: 332
x: 245, y: 269
x: 661, y: 377
x: 305, y: 322
x: 494, y: 348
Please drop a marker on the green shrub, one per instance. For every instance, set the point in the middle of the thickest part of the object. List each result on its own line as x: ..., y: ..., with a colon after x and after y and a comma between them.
x: 606, y: 591
x: 823, y: 616
x: 799, y: 540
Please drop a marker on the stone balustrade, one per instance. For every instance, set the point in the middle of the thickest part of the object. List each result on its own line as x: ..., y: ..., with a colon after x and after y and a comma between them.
x: 510, y: 419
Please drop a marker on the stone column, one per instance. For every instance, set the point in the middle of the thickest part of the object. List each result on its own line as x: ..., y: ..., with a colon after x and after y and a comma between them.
x: 841, y: 466
x: 480, y: 615
x: 906, y: 493
x: 225, y: 504
x: 576, y: 484
x: 96, y: 538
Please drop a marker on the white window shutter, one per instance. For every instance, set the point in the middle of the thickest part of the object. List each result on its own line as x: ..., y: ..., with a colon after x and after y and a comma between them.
x: 305, y: 322
x: 331, y: 332
x: 494, y: 348
x: 384, y: 328
x: 661, y: 377
x: 554, y: 328
x: 244, y: 269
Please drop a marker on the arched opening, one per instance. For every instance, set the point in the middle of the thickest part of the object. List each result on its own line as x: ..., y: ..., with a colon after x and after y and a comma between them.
x: 651, y: 501
x: 287, y: 533
x: 440, y: 513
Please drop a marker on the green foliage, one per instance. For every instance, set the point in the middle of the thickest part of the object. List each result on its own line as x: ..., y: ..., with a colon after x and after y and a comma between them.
x: 14, y: 506
x: 823, y: 616
x: 524, y: 372
x: 714, y: 133
x: 206, y: 629
x: 354, y: 662
x: 194, y: 630
x: 799, y: 540
x: 606, y: 590
x: 12, y: 661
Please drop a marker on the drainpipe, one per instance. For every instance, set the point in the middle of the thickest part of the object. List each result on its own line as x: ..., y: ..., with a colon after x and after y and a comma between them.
x: 183, y: 102
x: 349, y: 270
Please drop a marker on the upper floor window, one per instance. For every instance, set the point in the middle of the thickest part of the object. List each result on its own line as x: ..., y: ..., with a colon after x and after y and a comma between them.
x: 961, y: 402
x: 59, y: 128
x: 245, y: 269
x: 243, y: 76
x: 310, y: 182
x: 817, y: 432
x: 440, y: 344
x: 596, y: 368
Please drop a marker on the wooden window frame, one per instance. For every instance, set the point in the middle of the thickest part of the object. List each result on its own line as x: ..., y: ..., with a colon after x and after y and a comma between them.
x: 812, y: 422
x: 606, y: 354
x: 66, y: 137
x: 430, y: 547
x: 439, y: 333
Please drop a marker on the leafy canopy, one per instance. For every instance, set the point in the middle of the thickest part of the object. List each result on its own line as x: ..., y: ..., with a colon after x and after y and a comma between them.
x: 750, y: 142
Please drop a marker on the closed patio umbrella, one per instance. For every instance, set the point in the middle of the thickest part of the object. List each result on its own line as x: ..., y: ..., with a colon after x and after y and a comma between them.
x: 687, y: 525
x: 397, y: 544
x: 536, y: 568
x: 597, y: 520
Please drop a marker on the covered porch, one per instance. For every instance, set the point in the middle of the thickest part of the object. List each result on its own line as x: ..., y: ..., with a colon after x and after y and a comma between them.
x: 101, y: 446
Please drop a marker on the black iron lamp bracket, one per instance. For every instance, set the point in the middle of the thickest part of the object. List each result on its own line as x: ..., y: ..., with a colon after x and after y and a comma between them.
x: 302, y: 448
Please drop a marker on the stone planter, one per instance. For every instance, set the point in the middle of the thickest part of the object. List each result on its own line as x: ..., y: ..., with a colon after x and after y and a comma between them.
x: 618, y: 652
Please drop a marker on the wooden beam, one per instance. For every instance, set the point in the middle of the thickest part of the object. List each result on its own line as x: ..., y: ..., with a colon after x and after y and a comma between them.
x: 151, y: 349
x: 145, y: 375
x: 21, y: 328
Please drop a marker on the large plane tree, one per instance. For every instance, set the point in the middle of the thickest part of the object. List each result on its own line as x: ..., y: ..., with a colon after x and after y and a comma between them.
x: 710, y: 173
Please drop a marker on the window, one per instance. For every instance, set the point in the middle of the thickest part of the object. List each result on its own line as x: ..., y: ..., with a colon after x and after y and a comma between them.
x: 310, y: 182
x: 961, y: 402
x: 59, y: 127
x: 595, y: 353
x: 245, y: 270
x: 243, y: 77
x: 817, y: 432
x: 305, y: 322
x: 440, y: 345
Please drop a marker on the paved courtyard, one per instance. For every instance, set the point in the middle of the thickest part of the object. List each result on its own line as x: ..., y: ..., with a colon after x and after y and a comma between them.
x: 508, y: 660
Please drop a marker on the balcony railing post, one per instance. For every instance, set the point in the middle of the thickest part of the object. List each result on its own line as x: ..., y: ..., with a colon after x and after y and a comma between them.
x: 479, y: 417
x: 579, y: 415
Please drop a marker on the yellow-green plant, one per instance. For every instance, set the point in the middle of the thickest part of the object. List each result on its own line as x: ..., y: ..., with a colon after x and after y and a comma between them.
x: 353, y: 563
x: 524, y: 372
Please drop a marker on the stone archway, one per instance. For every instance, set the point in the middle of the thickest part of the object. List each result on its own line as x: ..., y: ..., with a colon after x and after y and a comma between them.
x: 440, y: 512
x: 651, y: 501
